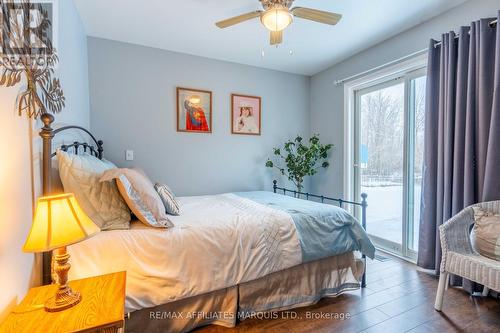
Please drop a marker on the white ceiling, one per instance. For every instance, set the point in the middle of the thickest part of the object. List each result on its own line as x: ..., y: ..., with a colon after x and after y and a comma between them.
x: 188, y: 26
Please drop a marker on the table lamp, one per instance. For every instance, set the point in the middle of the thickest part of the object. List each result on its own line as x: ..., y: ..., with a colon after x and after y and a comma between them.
x: 59, y: 221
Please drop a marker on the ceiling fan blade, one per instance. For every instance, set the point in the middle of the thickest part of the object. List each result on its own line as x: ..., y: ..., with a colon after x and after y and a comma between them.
x: 276, y: 37
x: 316, y: 15
x: 238, y: 19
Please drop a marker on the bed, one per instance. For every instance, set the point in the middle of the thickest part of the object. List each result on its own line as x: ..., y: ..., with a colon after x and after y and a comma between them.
x: 229, y: 257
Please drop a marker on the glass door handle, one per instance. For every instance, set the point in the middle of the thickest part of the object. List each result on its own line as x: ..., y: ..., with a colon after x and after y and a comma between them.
x: 355, y: 165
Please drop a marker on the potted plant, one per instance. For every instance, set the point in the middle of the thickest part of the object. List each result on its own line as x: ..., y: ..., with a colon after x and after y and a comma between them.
x: 300, y: 159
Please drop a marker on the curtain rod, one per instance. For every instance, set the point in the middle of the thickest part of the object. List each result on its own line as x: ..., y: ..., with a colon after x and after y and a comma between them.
x: 339, y: 82
x: 393, y: 62
x: 492, y: 24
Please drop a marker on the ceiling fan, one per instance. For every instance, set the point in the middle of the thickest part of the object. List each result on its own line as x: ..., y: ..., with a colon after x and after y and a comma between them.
x: 278, y: 14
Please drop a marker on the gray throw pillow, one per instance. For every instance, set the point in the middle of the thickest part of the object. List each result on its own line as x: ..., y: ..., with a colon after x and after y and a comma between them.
x: 102, y: 202
x: 168, y: 198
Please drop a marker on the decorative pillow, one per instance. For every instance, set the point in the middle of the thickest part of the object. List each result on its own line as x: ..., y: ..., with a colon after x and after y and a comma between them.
x: 140, y: 195
x: 485, y: 235
x: 102, y: 202
x: 168, y: 198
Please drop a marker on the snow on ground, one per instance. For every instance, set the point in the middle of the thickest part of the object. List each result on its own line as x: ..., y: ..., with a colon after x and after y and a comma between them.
x: 384, y: 213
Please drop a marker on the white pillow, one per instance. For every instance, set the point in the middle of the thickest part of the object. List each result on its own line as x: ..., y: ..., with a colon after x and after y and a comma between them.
x: 102, y: 202
x: 140, y: 195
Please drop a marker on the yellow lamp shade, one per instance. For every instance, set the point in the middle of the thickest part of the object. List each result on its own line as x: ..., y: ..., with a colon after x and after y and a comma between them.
x: 276, y: 19
x: 59, y: 221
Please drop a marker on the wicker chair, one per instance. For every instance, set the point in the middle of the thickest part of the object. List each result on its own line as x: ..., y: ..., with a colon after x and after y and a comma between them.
x: 460, y: 259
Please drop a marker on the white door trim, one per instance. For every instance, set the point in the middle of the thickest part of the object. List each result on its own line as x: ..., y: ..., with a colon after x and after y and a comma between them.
x: 390, y: 72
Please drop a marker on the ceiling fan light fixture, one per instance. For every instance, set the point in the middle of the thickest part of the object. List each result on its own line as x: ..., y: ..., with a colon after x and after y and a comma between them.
x: 276, y: 19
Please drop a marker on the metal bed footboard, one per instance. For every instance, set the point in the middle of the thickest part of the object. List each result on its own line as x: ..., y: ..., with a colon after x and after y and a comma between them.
x: 308, y: 196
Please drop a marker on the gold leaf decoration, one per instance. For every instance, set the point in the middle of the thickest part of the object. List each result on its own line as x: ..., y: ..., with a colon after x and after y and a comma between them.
x: 43, y: 92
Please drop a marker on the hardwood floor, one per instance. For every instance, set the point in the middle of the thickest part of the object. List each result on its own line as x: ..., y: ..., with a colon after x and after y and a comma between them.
x: 398, y: 298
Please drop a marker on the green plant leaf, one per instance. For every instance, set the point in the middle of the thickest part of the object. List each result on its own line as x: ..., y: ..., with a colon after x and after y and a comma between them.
x: 301, y: 159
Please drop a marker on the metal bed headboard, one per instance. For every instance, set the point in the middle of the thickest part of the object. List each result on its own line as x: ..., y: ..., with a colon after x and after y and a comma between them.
x: 363, y: 204
x: 95, y: 147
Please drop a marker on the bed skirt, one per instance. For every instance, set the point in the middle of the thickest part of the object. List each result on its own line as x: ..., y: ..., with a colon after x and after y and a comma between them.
x: 294, y: 287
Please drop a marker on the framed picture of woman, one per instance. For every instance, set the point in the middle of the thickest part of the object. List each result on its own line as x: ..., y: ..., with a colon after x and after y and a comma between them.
x: 245, y: 114
x: 194, y: 110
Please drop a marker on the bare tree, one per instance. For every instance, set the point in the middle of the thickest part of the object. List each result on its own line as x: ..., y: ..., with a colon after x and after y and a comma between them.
x: 382, y: 129
x: 382, y: 132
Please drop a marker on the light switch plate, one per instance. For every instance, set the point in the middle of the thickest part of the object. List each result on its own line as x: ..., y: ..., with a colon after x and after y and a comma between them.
x: 129, y: 155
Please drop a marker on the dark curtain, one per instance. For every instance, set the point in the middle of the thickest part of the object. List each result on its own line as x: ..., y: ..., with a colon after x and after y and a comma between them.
x: 462, y: 131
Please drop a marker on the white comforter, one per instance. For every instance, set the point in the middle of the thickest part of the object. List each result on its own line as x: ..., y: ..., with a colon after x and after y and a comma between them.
x: 217, y: 242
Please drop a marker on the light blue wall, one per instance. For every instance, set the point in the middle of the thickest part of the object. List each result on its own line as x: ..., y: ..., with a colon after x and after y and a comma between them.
x: 327, y: 100
x: 73, y: 66
x: 133, y: 103
x: 20, y: 172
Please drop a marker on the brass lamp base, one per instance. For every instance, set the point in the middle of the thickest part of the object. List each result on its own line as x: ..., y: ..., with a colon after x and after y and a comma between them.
x: 62, y: 301
x: 65, y: 298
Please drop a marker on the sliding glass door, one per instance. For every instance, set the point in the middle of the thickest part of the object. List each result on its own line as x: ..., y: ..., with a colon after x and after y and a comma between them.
x: 388, y: 151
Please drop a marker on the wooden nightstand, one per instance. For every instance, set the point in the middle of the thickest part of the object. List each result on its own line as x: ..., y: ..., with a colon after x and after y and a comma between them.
x: 101, y: 309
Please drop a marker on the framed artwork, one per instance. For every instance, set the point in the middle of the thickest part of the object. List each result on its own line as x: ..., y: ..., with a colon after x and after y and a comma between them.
x: 245, y: 114
x: 194, y: 110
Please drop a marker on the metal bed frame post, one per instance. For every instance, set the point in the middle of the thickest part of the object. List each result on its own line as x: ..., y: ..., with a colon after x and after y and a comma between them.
x: 363, y: 224
x: 363, y: 204
x: 47, y: 133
